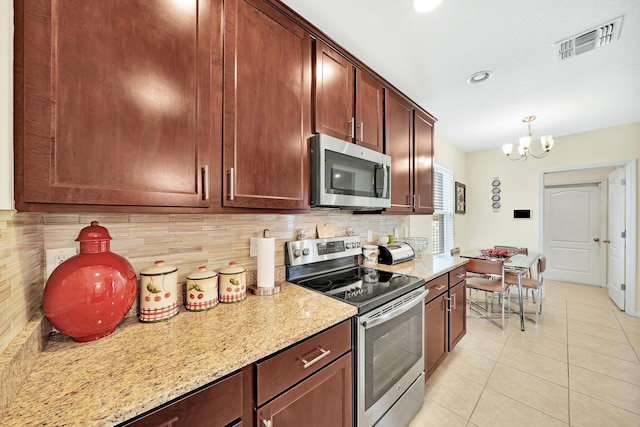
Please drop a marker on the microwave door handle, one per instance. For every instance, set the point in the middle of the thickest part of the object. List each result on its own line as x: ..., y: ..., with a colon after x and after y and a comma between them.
x: 385, y: 183
x: 395, y: 313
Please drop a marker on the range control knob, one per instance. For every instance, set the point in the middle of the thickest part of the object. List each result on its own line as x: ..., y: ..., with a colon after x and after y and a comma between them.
x: 305, y: 251
x: 349, y: 245
x: 297, y: 253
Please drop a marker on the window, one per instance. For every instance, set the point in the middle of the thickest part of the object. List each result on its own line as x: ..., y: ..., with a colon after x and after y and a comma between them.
x: 443, y: 210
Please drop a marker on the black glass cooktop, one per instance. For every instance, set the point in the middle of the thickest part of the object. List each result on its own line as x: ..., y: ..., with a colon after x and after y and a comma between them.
x: 365, y: 288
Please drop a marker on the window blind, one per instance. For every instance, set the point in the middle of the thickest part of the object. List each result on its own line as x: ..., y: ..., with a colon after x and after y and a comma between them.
x: 443, y: 210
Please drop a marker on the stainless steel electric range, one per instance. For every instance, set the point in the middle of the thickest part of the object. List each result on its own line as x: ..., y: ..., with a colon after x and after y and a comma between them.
x: 388, y: 331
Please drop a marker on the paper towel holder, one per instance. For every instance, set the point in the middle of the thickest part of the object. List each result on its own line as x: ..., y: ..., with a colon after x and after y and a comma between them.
x: 254, y: 289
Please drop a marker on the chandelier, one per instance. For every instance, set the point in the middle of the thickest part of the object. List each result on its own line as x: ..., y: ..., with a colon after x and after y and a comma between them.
x: 524, y: 151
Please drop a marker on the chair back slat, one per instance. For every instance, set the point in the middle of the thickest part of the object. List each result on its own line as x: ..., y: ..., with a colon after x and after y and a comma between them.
x: 542, y: 264
x: 485, y: 266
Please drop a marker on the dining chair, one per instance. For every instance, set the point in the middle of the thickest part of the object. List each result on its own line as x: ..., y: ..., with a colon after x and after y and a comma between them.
x: 494, y: 287
x: 536, y: 285
x: 455, y: 251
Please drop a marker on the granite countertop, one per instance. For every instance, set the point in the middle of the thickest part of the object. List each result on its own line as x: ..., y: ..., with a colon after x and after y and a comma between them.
x: 143, y: 365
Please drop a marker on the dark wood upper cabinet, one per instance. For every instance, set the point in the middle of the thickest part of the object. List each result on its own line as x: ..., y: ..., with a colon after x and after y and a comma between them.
x: 349, y: 103
x: 423, y: 163
x: 113, y: 102
x: 267, y: 108
x: 398, y: 145
x: 409, y: 142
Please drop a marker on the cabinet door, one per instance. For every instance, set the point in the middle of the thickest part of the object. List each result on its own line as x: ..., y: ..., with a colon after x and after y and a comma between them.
x: 369, y: 111
x: 267, y: 99
x: 458, y: 314
x: 334, y: 87
x: 423, y: 163
x: 324, y: 399
x: 398, y: 145
x: 435, y: 333
x: 112, y: 102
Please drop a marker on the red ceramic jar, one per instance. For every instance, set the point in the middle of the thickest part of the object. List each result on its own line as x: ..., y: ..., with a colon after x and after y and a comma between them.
x: 89, y: 294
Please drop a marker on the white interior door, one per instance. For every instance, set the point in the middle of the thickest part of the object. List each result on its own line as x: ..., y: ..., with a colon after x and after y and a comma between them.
x: 616, y: 243
x: 572, y: 227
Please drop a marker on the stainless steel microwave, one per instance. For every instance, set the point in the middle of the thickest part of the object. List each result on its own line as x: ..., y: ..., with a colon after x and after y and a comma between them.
x: 348, y: 176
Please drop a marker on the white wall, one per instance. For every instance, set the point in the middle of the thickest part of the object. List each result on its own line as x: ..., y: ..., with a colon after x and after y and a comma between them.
x: 520, y: 184
x: 6, y: 105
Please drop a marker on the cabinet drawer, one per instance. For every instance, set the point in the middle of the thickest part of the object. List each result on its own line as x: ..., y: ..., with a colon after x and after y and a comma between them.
x: 218, y: 404
x: 283, y: 370
x: 437, y: 286
x: 458, y: 275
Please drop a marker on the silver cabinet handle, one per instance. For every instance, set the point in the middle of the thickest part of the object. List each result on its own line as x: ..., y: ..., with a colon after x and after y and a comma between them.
x: 352, y: 126
x: 461, y: 275
x: 361, y: 131
x: 231, y: 179
x: 454, y: 301
x: 441, y: 287
x: 323, y: 353
x: 266, y: 423
x: 205, y: 182
x: 448, y: 304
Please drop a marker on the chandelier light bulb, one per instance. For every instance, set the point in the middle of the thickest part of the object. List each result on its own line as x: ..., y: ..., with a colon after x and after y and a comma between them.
x: 547, y: 142
x: 521, y: 150
x: 424, y: 6
x: 525, y: 141
x: 507, y: 148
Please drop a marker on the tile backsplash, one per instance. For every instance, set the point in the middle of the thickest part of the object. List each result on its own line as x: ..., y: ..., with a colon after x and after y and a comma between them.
x: 184, y: 240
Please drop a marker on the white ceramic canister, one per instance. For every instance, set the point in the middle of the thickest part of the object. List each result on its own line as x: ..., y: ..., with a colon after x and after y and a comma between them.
x: 202, y: 290
x: 232, y: 283
x: 370, y: 255
x: 158, y: 292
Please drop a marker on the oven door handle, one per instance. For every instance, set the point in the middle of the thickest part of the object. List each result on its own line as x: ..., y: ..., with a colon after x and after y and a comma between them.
x: 395, y: 313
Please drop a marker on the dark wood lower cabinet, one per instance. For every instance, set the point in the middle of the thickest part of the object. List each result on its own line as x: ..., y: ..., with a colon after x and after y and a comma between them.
x: 322, y: 400
x: 445, y: 314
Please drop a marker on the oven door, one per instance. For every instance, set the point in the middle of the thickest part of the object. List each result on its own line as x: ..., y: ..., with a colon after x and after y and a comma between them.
x: 347, y: 175
x: 390, y: 358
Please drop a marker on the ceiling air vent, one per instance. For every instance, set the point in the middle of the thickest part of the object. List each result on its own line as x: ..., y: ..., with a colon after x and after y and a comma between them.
x: 589, y: 40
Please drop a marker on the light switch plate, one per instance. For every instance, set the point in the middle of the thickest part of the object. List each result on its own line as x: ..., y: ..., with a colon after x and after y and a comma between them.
x: 253, y: 247
x: 369, y: 235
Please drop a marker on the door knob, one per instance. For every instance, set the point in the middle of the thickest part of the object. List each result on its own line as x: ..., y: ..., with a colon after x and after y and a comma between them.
x: 606, y: 241
x: 596, y: 239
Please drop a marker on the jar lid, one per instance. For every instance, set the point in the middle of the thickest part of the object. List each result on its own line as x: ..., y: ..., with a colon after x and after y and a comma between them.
x: 93, y: 233
x: 232, y: 269
x: 201, y: 274
x: 158, y: 268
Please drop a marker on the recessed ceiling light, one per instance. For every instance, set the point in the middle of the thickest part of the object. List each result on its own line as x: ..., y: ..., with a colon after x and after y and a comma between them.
x: 479, y: 77
x: 423, y: 6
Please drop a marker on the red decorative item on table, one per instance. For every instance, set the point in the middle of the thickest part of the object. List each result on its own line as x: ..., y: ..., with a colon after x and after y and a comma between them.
x: 89, y: 294
x: 496, y: 253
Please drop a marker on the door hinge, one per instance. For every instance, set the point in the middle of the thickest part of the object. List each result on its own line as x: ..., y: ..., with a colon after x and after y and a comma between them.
x: 623, y: 287
x: 623, y: 181
x: 623, y: 234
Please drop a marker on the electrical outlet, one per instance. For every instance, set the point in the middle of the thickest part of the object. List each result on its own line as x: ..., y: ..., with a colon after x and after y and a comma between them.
x: 406, y: 232
x: 55, y: 257
x: 369, y: 235
x: 253, y: 247
x: 396, y: 232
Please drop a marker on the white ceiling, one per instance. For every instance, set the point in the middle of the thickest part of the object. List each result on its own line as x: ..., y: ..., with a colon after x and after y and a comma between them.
x: 430, y: 56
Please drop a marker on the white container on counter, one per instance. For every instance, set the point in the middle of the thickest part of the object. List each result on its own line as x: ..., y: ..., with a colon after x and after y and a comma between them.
x: 202, y: 290
x: 158, y: 292
x: 232, y: 283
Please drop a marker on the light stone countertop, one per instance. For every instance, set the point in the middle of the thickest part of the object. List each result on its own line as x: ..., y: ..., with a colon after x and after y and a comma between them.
x: 144, y: 365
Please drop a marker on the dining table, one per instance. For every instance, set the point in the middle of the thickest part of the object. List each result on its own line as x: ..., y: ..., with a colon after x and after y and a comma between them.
x: 519, y: 264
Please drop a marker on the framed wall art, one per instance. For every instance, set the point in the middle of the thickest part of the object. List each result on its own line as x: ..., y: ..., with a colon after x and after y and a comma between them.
x: 461, y: 198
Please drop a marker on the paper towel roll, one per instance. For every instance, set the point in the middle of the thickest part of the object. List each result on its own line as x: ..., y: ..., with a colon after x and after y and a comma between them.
x: 266, y: 261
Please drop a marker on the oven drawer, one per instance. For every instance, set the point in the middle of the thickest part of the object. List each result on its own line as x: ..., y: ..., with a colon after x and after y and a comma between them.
x: 285, y: 369
x: 457, y: 275
x: 436, y: 287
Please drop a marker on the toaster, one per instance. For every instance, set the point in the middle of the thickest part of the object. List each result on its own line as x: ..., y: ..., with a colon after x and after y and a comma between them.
x: 394, y: 253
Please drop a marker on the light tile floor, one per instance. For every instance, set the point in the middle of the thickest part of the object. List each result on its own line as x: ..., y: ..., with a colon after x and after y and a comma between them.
x: 580, y: 366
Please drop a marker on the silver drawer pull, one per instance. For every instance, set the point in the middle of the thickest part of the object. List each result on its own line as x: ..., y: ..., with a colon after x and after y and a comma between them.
x: 266, y: 423
x: 324, y: 352
x: 460, y: 276
x: 439, y: 288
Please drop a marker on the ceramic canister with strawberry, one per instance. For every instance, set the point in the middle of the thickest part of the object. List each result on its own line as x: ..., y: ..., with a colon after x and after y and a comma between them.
x: 158, y: 292
x: 202, y: 290
x: 232, y: 282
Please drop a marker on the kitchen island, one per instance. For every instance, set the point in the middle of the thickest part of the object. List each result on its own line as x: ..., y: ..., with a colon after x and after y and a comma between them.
x: 144, y: 365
